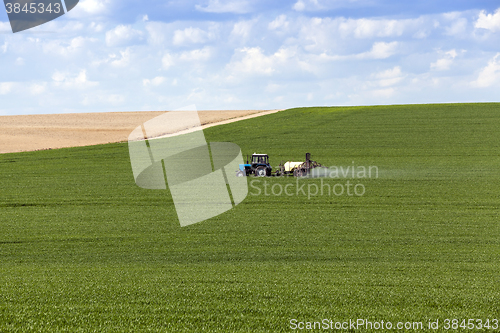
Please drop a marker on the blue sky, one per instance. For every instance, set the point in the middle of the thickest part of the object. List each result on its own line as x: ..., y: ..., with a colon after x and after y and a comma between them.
x: 110, y: 55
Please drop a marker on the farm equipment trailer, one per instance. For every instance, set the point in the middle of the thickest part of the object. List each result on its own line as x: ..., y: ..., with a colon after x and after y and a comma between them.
x: 260, y: 167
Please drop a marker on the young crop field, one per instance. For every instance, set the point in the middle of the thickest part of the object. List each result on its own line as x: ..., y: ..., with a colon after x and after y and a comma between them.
x: 83, y: 248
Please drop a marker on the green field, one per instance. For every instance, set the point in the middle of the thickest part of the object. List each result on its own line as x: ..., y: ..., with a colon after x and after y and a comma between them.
x: 82, y: 248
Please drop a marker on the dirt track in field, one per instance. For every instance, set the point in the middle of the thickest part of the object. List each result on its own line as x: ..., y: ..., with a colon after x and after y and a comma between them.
x: 51, y: 131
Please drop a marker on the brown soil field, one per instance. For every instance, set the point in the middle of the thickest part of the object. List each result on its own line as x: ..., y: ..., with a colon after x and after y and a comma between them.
x: 51, y: 131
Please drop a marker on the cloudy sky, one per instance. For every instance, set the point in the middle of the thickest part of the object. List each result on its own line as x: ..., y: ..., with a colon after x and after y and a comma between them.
x: 123, y: 55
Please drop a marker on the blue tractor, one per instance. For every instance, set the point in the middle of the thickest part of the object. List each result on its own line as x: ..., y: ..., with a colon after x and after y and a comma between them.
x: 259, y: 167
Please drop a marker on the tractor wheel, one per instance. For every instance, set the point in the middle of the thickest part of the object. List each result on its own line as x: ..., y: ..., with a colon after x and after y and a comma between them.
x: 240, y: 173
x: 260, y: 172
x: 299, y: 172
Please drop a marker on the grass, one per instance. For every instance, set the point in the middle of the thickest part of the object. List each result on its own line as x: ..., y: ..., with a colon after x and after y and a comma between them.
x: 84, y: 249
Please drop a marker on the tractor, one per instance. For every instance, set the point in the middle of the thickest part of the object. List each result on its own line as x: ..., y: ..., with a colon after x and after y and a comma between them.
x: 259, y: 167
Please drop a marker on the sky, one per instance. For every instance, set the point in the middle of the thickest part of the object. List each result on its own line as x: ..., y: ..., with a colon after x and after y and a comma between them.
x: 123, y: 55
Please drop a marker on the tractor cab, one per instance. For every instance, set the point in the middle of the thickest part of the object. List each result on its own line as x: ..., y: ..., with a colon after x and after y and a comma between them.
x: 260, y: 159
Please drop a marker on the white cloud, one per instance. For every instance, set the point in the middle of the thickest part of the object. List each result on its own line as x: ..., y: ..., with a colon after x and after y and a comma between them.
x: 79, y: 42
x: 490, y: 74
x: 272, y: 87
x: 158, y: 32
x: 96, y: 27
x: 93, y: 6
x: 226, y: 6
x: 98, y: 99
x: 317, y: 34
x: 80, y: 81
x: 388, y: 77
x: 6, y: 87
x: 5, y: 26
x: 167, y: 61
x: 344, y: 36
x: 38, y: 88
x: 154, y: 82
x: 383, y: 93
x: 197, y: 94
x: 369, y: 28
x: 60, y: 47
x: 445, y: 62
x: 309, y: 5
x: 115, y: 99
x: 196, y: 55
x: 380, y: 50
x: 191, y: 35
x: 279, y: 23
x: 243, y: 28
x: 123, y: 61
x: 322, y: 5
x: 123, y: 35
x: 74, y: 26
x: 457, y: 28
x: 299, y: 6
x: 488, y: 21
x: 253, y: 61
